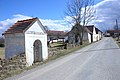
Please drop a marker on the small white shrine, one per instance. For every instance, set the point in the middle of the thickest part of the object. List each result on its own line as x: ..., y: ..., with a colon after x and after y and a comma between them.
x: 29, y: 37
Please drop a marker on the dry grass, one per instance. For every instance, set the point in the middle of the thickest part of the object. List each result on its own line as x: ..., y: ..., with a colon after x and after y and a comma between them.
x: 55, y: 44
x: 67, y: 51
x: 117, y: 41
x: 2, y: 52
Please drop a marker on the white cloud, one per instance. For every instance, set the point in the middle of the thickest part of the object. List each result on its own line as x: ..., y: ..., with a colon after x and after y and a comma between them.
x: 1, y: 28
x: 107, y: 12
x: 61, y: 25
x: 8, y: 22
x: 4, y: 25
x: 52, y: 24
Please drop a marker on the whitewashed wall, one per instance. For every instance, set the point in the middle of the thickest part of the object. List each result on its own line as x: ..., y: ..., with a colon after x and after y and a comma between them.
x: 32, y: 34
x: 100, y: 35
x: 14, y: 44
x: 94, y: 35
x: 89, y: 37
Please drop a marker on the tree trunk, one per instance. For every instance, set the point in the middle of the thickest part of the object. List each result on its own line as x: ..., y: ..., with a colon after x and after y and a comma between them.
x: 81, y: 42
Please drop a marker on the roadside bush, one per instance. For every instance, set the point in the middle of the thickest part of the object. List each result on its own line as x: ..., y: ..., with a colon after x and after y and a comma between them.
x: 1, y: 45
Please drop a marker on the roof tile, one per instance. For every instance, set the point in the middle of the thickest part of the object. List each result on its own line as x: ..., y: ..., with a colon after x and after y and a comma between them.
x: 19, y: 26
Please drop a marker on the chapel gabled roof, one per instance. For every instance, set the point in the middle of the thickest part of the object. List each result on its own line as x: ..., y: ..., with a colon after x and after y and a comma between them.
x: 20, y: 26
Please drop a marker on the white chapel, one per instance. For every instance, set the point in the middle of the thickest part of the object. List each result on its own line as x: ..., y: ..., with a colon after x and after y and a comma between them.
x: 27, y: 36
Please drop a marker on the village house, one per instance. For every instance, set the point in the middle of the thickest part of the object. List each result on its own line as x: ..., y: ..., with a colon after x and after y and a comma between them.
x: 55, y: 36
x: 96, y: 33
x: 90, y: 34
x: 73, y: 36
x: 99, y: 33
x: 113, y: 33
x: 29, y: 37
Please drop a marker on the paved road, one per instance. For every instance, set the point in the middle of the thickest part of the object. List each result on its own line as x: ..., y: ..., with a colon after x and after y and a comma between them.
x: 98, y: 61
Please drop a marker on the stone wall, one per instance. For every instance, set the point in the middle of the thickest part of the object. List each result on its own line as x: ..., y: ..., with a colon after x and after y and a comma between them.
x: 16, y: 63
x: 54, y: 51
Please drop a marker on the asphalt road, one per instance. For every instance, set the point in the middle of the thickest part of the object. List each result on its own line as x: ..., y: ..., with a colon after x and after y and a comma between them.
x: 98, y: 61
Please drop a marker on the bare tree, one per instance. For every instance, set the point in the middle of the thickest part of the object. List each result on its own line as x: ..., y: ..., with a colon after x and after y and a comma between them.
x: 46, y: 28
x: 81, y: 12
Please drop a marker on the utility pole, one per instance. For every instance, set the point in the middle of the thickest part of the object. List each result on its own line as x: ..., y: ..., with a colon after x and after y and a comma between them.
x: 117, y: 29
x: 116, y: 24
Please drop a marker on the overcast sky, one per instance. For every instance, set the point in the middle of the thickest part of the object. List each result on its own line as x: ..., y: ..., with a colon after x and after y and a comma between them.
x: 51, y: 13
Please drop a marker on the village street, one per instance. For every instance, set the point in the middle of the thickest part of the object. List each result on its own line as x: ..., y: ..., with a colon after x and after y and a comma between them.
x: 98, y: 61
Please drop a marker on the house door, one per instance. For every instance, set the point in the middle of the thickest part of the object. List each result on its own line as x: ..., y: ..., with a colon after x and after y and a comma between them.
x: 37, y: 51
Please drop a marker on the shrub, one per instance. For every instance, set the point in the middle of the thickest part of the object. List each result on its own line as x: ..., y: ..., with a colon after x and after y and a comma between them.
x: 1, y: 45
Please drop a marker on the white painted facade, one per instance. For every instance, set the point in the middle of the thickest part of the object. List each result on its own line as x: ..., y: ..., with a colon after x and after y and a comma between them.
x: 96, y: 36
x: 35, y: 32
x: 89, y: 38
x: 24, y: 42
x: 100, y: 35
x: 55, y: 40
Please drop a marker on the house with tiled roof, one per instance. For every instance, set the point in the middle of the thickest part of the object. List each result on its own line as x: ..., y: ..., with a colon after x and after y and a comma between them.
x: 27, y: 36
x: 90, y: 34
x: 96, y: 33
x: 73, y: 35
x: 113, y: 33
x: 55, y: 36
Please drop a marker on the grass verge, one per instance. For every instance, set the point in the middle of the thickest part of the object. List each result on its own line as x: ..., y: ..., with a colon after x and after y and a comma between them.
x: 117, y: 41
x: 66, y: 51
x: 2, y: 52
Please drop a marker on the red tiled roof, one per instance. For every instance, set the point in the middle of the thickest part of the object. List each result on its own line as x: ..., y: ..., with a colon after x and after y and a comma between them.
x: 52, y: 32
x: 20, y: 26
